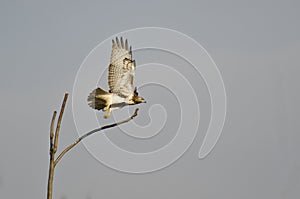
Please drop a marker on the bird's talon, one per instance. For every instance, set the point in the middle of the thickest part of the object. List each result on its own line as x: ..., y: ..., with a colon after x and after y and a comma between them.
x: 107, y: 115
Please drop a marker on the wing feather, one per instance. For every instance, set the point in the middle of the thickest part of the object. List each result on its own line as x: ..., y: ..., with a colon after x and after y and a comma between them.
x: 120, y: 76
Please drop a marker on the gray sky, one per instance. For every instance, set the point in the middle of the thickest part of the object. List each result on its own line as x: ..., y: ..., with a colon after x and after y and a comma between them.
x: 256, y: 46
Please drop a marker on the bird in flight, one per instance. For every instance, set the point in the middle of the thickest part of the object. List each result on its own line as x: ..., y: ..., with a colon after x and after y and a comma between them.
x: 120, y: 81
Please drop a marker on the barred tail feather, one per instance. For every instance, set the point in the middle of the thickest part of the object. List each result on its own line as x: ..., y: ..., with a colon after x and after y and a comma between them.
x: 98, y: 99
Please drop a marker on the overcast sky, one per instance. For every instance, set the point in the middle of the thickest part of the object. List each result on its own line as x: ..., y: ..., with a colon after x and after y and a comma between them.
x: 256, y: 46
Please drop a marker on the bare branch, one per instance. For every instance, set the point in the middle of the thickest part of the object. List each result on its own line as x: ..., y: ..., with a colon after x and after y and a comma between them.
x: 51, y: 162
x: 92, y: 132
x: 53, y: 145
x: 54, y: 141
x: 52, y: 129
x: 62, y: 109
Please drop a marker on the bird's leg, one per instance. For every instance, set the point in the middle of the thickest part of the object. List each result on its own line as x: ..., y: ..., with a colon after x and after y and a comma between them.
x: 107, y: 115
x: 107, y: 107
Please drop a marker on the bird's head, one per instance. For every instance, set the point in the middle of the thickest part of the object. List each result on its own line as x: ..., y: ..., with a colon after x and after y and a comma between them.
x: 136, y: 98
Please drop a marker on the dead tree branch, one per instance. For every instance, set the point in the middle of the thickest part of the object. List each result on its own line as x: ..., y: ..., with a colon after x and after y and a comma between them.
x: 55, y: 136
x: 92, y: 132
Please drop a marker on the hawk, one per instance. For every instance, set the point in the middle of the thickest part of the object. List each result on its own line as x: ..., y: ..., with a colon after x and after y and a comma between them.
x: 120, y: 80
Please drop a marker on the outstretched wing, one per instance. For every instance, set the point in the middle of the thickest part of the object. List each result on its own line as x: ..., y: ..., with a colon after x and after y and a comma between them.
x: 121, y: 69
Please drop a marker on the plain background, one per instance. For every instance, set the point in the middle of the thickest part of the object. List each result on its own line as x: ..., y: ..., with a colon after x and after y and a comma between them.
x: 256, y: 46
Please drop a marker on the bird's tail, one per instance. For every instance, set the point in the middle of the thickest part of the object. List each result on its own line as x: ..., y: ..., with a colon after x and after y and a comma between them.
x: 98, y: 99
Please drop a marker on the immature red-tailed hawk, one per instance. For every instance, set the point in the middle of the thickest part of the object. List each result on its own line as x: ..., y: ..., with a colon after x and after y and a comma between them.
x: 120, y: 81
